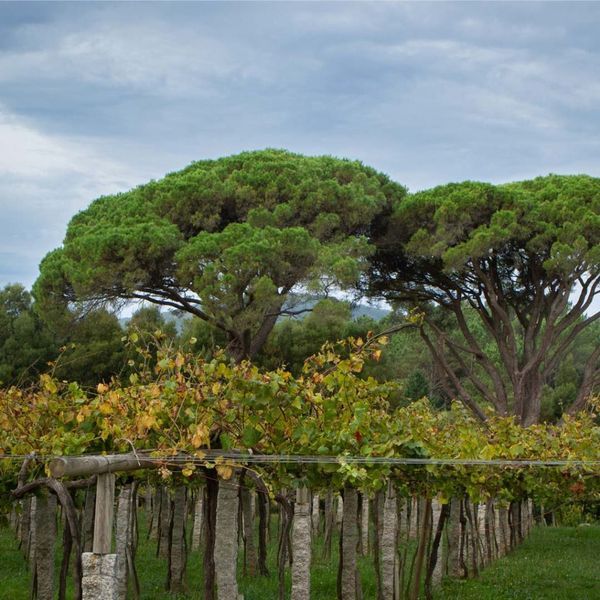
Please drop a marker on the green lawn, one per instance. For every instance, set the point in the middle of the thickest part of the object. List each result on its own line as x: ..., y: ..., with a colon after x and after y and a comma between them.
x: 561, y: 563
x: 554, y: 564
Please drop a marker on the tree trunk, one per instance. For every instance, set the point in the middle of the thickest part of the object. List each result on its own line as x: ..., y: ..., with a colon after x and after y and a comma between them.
x: 454, y: 561
x: 164, y: 523
x: 209, y: 521
x: 413, y: 518
x: 364, y: 524
x: 197, y: 530
x: 87, y: 525
x: 329, y: 523
x: 472, y: 545
x: 177, y: 543
x: 25, y: 528
x: 122, y: 533
x: 45, y: 538
x: 377, y: 512
x: 339, y: 511
x: 503, y: 532
x: 388, y: 555
x: 154, y: 525
x: 226, y: 546
x: 283, y: 547
x: 349, y: 582
x: 491, y: 544
x: 248, y: 519
x: 434, y: 566
x: 316, y: 513
x: 263, y: 529
x: 301, y: 543
x: 424, y: 534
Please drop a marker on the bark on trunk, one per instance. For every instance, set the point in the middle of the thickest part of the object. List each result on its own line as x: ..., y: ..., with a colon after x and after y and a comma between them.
x: 377, y: 512
x: 472, y: 544
x: 339, y: 511
x: 248, y: 518
x: 154, y: 525
x: 413, y: 518
x: 123, y: 529
x: 439, y: 514
x: 226, y: 546
x: 177, y: 547
x: 263, y: 529
x: 25, y: 527
x: 349, y: 583
x: 434, y: 566
x: 388, y: 555
x: 364, y: 524
x: 45, y: 538
x: 164, y: 523
x: 284, y: 550
x: 454, y: 561
x: 329, y: 524
x: 301, y: 544
x: 67, y: 545
x: 316, y: 513
x: 491, y: 544
x: 503, y: 532
x: 209, y: 520
x: 424, y: 535
x: 87, y: 525
x: 197, y: 531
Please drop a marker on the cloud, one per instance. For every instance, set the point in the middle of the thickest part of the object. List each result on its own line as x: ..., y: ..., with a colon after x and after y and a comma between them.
x: 44, y: 180
x: 95, y: 98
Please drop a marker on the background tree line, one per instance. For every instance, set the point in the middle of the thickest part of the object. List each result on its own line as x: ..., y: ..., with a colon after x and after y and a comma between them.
x: 495, y: 283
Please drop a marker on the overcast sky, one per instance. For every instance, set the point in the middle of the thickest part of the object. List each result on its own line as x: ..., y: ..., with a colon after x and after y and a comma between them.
x: 96, y: 98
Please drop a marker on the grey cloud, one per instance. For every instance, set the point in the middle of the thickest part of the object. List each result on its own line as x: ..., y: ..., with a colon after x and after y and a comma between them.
x: 110, y: 95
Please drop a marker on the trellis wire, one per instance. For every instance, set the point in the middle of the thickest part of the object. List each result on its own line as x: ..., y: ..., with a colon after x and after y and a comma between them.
x: 212, y: 456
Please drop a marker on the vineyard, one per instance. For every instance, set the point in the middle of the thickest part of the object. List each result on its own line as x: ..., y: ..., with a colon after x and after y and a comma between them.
x: 421, y: 493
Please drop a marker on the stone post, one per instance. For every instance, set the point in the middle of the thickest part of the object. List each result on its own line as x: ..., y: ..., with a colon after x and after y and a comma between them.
x: 301, y: 546
x: 100, y: 567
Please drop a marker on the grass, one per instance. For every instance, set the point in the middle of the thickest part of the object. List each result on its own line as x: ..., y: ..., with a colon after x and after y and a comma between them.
x: 553, y: 564
x: 561, y: 563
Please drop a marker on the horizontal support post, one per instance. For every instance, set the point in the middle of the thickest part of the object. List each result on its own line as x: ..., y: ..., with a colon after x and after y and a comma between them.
x: 76, y: 466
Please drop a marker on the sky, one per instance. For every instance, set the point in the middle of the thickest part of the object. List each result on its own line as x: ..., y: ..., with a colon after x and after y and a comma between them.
x: 96, y: 98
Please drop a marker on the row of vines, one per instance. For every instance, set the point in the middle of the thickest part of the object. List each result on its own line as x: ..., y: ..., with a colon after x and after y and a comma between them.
x: 417, y: 522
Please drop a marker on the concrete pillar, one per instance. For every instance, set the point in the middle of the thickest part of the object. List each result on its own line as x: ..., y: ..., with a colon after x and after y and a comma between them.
x: 226, y: 539
x: 301, y: 546
x: 100, y: 576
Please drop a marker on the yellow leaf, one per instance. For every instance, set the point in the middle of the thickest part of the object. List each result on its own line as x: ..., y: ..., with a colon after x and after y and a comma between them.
x: 224, y: 471
x: 188, y: 469
x: 216, y: 388
x: 200, y: 436
x: 102, y: 387
x: 148, y: 421
x: 105, y: 408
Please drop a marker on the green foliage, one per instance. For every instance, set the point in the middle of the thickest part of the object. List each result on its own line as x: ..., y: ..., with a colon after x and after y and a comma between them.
x: 292, y: 341
x: 148, y: 321
x: 93, y: 350
x: 26, y: 345
x: 225, y: 240
x: 513, y: 255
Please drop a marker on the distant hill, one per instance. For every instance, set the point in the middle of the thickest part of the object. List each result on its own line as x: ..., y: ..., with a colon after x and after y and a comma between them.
x: 359, y: 310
